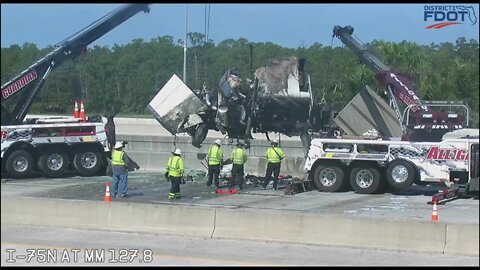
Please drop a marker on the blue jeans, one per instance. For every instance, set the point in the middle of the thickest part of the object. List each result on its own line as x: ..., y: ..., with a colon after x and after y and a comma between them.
x: 120, y: 174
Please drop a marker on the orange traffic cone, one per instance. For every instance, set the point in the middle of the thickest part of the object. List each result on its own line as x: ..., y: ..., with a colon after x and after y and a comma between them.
x: 75, y: 110
x: 107, y: 193
x: 434, y: 212
x: 82, y: 112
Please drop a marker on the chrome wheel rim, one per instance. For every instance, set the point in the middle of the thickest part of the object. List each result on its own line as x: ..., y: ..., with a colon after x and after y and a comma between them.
x: 364, y: 178
x: 328, y: 177
x: 399, y: 174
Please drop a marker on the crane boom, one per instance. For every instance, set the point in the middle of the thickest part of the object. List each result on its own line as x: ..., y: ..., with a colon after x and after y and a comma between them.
x: 28, y: 83
x: 366, y: 57
x: 398, y: 86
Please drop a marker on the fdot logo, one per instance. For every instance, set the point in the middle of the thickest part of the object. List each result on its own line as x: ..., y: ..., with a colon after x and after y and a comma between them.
x: 447, y: 15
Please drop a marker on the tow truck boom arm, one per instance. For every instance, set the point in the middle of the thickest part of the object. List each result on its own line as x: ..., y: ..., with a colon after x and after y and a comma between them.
x: 30, y: 81
x: 397, y: 85
x: 366, y: 57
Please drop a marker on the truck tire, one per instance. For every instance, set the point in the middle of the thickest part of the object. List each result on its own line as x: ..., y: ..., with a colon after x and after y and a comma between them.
x: 19, y: 164
x: 87, y: 161
x: 328, y: 178
x: 400, y: 174
x: 53, y: 162
x: 199, y: 135
x: 365, y: 179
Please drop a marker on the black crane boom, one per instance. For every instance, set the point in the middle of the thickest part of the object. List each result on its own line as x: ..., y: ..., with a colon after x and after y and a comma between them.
x: 28, y: 83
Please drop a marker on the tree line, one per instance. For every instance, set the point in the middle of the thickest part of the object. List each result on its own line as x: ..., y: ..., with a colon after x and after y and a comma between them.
x: 124, y: 78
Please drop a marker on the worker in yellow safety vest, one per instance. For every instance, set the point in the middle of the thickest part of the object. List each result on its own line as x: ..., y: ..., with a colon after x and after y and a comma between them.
x: 239, y: 157
x: 274, y: 156
x: 175, y: 173
x: 120, y: 169
x: 215, y: 162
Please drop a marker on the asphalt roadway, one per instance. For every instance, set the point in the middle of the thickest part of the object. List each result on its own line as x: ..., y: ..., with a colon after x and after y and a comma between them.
x: 147, y: 187
x: 164, y: 250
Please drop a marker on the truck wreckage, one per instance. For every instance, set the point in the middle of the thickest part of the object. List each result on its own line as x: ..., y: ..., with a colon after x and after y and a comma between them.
x: 279, y: 99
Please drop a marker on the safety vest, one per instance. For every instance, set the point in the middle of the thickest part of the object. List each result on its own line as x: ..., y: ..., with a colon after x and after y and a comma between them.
x: 275, y: 157
x: 239, y: 156
x: 175, y: 166
x: 117, y: 158
x: 215, y: 155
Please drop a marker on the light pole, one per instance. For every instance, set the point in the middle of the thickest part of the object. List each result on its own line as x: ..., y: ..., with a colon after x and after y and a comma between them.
x: 185, y: 48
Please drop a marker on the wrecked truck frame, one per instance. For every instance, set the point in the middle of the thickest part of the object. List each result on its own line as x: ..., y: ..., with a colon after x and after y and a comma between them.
x: 278, y: 100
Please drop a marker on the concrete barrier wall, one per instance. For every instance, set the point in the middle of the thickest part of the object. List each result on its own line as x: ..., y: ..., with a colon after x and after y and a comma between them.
x: 148, y: 218
x: 238, y: 223
x: 152, y: 153
x: 150, y: 145
x: 462, y: 239
x: 329, y: 230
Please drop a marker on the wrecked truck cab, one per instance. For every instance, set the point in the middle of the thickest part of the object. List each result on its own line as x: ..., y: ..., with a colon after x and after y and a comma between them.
x: 178, y: 109
x: 279, y: 100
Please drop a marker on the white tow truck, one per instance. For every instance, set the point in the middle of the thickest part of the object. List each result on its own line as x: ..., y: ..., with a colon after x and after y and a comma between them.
x: 368, y: 164
x: 54, y: 145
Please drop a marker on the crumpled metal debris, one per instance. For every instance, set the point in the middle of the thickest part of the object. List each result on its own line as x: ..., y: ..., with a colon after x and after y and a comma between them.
x: 194, y: 176
x: 291, y: 184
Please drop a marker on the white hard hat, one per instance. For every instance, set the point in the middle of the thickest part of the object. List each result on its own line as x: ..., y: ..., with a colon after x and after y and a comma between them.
x: 218, y: 141
x: 177, y: 151
x: 274, y: 141
x: 118, y: 145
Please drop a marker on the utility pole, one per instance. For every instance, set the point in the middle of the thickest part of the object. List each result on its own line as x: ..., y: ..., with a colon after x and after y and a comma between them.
x: 185, y: 48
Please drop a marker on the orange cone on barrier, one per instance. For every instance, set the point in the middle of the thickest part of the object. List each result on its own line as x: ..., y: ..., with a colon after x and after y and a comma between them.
x: 107, y: 193
x: 82, y: 112
x: 75, y: 110
x: 435, y: 212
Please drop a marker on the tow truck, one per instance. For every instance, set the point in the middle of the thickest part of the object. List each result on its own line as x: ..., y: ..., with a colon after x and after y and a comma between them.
x: 370, y: 162
x: 55, y: 145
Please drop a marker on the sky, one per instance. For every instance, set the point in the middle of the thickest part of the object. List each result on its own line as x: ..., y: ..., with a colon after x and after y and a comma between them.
x: 288, y: 25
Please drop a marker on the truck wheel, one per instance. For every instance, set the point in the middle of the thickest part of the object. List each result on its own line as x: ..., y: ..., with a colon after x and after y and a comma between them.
x: 199, y: 135
x: 19, y: 164
x: 328, y: 178
x: 87, y: 161
x: 400, y: 174
x: 365, y: 179
x: 53, y: 162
